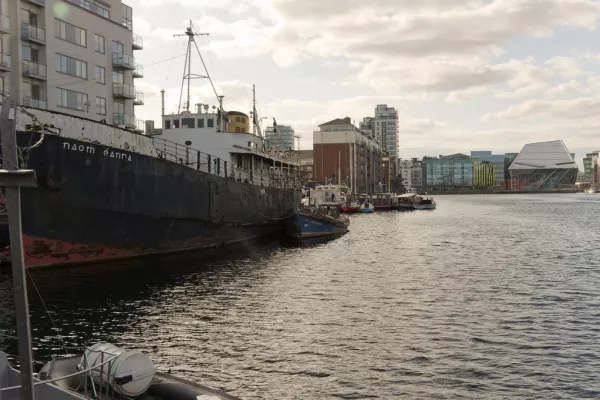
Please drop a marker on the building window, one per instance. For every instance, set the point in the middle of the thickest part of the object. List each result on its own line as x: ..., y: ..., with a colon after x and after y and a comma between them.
x: 71, y: 66
x: 126, y: 16
x: 100, y: 75
x: 200, y: 122
x: 210, y: 123
x: 118, y: 77
x: 238, y: 130
x: 100, y: 105
x: 90, y: 6
x: 117, y: 48
x: 70, y: 33
x: 167, y: 124
x: 119, y: 107
x: 99, y: 43
x: 31, y: 90
x: 1, y: 84
x: 30, y: 53
x: 72, y: 99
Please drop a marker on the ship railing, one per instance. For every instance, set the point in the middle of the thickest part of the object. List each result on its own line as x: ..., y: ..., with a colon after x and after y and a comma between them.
x: 198, y: 160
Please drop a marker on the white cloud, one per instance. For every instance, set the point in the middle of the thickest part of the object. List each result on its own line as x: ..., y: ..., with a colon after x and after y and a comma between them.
x: 571, y: 87
x: 573, y: 109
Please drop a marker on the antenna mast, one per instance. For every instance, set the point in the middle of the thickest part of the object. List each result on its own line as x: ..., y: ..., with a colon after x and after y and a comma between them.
x: 188, y: 66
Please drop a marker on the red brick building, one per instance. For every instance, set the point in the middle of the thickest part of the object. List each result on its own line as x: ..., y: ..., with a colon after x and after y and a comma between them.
x: 343, y: 154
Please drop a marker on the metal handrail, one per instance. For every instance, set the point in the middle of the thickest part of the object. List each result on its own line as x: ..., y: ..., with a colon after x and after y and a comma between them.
x: 196, y: 159
x: 40, y: 382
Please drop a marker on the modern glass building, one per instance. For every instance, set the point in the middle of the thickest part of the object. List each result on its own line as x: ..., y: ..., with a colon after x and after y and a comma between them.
x: 280, y: 139
x: 544, y: 165
x: 486, y: 163
x: 447, y: 173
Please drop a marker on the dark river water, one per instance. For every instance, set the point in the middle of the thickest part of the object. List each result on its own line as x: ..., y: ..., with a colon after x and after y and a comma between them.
x: 487, y: 297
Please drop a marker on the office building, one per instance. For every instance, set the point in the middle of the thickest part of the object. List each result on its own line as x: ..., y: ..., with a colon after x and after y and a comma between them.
x: 544, y: 165
x: 491, y: 170
x: 280, y: 138
x: 447, y: 173
x: 72, y: 56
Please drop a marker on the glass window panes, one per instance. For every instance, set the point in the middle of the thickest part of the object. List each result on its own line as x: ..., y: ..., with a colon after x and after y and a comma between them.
x: 70, y: 33
x: 118, y: 77
x: 119, y: 107
x: 71, y: 66
x: 99, y: 43
x: 100, y: 74
x: 101, y: 105
x: 117, y: 47
x: 71, y: 99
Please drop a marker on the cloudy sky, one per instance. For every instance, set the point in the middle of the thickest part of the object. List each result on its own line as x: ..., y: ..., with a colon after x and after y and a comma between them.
x: 464, y: 74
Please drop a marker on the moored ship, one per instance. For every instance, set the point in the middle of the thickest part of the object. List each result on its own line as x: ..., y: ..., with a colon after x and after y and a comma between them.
x: 106, y: 193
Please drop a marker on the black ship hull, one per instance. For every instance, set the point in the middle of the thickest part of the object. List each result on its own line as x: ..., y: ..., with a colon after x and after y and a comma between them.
x: 95, y: 202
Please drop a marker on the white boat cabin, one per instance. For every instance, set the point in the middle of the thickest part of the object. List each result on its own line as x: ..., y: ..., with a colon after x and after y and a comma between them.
x: 202, y: 139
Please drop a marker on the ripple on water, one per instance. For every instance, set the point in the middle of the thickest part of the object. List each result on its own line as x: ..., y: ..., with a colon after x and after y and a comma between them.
x: 486, y: 297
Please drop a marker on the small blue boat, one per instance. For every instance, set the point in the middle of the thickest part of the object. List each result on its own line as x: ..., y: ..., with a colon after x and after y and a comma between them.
x: 313, y: 222
x: 367, y: 208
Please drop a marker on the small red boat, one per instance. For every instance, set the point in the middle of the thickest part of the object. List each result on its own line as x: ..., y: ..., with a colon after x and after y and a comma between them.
x: 350, y: 207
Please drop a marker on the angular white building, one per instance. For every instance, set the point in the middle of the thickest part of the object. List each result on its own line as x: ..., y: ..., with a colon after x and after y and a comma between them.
x: 543, y: 165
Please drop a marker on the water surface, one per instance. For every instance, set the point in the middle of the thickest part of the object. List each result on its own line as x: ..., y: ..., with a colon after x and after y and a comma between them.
x: 486, y: 297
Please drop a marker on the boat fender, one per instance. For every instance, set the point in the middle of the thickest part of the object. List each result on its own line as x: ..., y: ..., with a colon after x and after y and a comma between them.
x: 52, y: 180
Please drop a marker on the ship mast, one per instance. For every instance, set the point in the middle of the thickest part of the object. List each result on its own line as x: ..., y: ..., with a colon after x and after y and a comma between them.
x: 187, y: 72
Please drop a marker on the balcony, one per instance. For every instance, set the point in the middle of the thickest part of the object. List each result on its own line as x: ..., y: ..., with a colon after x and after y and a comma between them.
x: 123, y: 91
x: 123, y: 61
x: 35, y: 103
x: 139, y: 99
x: 138, y: 42
x: 138, y: 72
x: 4, y: 24
x: 33, y: 34
x: 95, y: 8
x: 128, y: 121
x: 34, y: 70
x: 140, y: 125
x: 5, y: 62
x: 38, y: 2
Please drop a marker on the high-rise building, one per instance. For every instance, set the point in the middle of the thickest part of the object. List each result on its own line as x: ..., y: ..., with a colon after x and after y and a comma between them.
x: 280, y: 139
x: 72, y: 56
x: 386, y: 129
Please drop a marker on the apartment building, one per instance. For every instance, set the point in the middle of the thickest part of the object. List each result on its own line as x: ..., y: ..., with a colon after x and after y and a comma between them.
x: 72, y: 56
x: 386, y: 129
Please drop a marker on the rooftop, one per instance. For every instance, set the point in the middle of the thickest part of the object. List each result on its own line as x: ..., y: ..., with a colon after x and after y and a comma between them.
x: 544, y: 155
